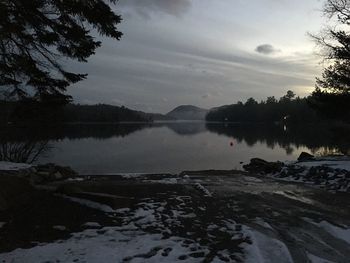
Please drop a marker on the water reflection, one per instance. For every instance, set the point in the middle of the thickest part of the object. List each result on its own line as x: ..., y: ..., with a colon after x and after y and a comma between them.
x: 318, y: 139
x: 162, y: 147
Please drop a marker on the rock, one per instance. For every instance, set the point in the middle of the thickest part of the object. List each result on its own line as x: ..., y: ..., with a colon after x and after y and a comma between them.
x: 258, y: 161
x: 304, y: 156
x: 257, y: 165
x: 50, y: 172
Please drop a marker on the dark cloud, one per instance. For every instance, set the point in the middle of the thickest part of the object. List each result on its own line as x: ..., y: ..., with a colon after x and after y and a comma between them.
x: 266, y: 49
x: 146, y: 7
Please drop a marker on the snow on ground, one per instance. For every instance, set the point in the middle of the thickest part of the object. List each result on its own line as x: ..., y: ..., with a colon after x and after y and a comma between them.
x: 265, y: 249
x: 315, y: 259
x: 91, y: 204
x: 332, y: 174
x: 201, y: 188
x: 129, y: 242
x: 128, y: 175
x: 8, y: 166
x: 262, y: 223
x: 336, y: 231
x: 164, y: 181
x: 252, y: 179
x: 171, y: 230
x: 115, y: 245
x: 291, y: 195
x: 342, y: 233
x: 333, y: 163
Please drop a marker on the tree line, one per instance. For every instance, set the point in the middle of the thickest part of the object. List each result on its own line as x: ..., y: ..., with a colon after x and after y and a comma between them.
x: 33, y: 112
x: 288, y: 108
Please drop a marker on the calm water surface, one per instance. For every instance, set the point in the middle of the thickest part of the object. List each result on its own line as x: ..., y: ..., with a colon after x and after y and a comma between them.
x: 167, y: 147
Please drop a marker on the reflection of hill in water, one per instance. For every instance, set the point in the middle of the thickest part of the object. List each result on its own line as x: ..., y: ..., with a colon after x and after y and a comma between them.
x: 187, y: 128
x: 310, y: 136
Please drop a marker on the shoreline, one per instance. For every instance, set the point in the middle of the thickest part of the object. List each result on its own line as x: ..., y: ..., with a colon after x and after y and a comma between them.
x: 192, y: 216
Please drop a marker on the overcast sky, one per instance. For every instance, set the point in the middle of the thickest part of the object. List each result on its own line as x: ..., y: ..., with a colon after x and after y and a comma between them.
x: 204, y: 52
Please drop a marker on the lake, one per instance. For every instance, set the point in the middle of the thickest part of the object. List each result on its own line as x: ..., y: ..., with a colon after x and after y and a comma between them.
x: 161, y: 147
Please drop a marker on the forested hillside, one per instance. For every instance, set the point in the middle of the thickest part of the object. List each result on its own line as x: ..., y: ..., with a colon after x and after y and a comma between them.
x: 288, y: 109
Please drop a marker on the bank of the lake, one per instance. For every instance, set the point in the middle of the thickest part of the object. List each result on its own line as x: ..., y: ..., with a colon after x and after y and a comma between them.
x: 50, y: 213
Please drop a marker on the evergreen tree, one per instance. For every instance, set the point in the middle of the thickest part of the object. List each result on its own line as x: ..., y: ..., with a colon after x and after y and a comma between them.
x: 332, y: 92
x: 35, y: 34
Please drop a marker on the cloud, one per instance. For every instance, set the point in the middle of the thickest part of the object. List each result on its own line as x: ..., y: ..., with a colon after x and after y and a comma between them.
x: 267, y: 49
x: 145, y: 8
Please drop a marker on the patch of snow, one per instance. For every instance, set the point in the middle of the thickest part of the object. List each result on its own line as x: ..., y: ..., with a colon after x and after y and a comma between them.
x: 144, y: 216
x: 126, y: 243
x: 203, y: 189
x: 164, y: 181
x: 91, y: 204
x: 131, y: 175
x: 265, y: 249
x: 122, y: 210
x: 338, y: 232
x: 9, y: 166
x: 88, y: 246
x: 77, y: 179
x: 295, y: 197
x: 336, y: 164
x: 315, y: 259
x: 262, y: 223
x: 252, y: 179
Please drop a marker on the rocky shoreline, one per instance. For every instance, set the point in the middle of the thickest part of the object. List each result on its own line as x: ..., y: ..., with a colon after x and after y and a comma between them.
x: 19, y: 179
x: 329, y: 173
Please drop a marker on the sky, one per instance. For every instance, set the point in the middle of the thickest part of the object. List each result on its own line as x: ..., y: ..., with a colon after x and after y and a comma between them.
x: 206, y: 53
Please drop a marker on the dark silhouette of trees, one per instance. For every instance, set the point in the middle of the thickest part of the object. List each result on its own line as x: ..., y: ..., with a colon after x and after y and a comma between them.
x: 45, y: 113
x: 332, y: 92
x: 287, y: 109
x: 102, y: 113
x: 271, y: 100
x: 35, y: 34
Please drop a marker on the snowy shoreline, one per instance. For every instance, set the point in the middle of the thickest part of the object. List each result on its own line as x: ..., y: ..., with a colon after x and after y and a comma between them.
x: 331, y: 173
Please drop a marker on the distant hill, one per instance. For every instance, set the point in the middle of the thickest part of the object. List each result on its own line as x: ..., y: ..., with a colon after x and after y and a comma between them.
x: 102, y: 113
x: 159, y: 117
x: 109, y: 113
x: 188, y: 112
